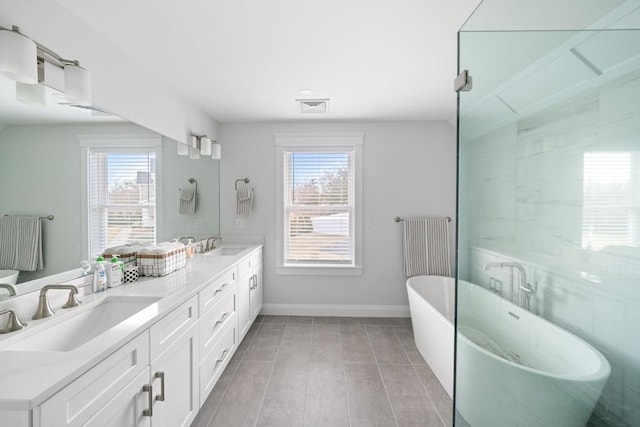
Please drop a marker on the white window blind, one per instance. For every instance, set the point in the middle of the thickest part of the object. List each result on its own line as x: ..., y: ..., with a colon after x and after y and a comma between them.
x: 319, y: 205
x: 611, y: 200
x: 122, y: 197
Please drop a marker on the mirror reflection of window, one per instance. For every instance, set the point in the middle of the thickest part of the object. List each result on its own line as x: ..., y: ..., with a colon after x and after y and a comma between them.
x: 611, y: 204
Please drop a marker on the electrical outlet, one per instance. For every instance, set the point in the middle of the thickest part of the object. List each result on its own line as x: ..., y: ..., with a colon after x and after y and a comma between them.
x: 241, y: 223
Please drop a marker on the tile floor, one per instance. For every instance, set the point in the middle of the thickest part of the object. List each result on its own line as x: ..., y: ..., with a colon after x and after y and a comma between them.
x: 327, y: 371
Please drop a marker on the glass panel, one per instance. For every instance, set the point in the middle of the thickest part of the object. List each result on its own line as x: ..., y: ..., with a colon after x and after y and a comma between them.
x: 548, y: 289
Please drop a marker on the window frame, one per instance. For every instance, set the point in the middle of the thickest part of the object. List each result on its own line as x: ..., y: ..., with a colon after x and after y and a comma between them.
x: 289, y: 142
x: 117, y: 143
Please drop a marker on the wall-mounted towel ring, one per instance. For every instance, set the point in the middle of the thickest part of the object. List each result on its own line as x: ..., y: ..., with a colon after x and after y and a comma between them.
x: 193, y: 181
x: 245, y: 180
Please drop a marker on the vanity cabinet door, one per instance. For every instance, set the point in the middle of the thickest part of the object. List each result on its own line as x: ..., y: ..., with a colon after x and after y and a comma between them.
x: 245, y: 282
x: 127, y: 408
x: 174, y: 376
x: 100, y: 389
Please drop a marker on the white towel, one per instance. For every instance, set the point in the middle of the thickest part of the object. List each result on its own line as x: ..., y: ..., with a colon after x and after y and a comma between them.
x: 21, y: 243
x: 187, y: 202
x: 426, y: 247
x: 244, y: 200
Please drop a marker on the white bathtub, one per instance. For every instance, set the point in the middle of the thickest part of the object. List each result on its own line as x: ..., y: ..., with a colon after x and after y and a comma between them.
x: 535, y: 374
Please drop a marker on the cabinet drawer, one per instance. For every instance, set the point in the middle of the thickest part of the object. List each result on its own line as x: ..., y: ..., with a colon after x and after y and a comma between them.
x: 170, y: 328
x: 253, y: 261
x: 210, y: 295
x: 218, y: 358
x: 214, y: 321
x: 75, y: 404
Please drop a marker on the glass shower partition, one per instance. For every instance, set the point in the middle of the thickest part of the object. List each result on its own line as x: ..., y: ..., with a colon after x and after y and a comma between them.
x: 548, y: 259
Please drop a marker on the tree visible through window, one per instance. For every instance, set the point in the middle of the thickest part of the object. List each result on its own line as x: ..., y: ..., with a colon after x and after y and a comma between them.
x: 122, y: 198
x: 319, y: 206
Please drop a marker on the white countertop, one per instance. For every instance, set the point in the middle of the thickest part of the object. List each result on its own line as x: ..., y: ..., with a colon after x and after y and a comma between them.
x: 28, y: 378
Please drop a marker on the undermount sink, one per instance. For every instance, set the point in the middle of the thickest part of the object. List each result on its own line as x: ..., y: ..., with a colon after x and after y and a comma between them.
x: 226, y: 251
x: 78, y: 330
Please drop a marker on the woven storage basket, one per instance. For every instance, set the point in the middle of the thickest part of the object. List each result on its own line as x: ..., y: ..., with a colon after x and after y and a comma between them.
x: 161, y: 260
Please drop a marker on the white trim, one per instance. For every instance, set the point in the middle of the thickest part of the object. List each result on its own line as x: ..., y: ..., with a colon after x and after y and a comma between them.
x: 350, y: 140
x: 332, y: 270
x: 336, y: 310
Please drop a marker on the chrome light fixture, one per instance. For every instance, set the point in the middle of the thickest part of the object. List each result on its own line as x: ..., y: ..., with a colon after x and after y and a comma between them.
x: 194, y: 149
x: 200, y: 145
x: 18, y: 56
x: 205, y: 146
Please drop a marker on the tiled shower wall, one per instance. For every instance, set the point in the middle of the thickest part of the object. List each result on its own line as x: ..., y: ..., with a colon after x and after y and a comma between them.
x: 523, y: 197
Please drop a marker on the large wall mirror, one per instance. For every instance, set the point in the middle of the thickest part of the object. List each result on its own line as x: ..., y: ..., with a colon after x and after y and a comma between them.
x: 43, y: 172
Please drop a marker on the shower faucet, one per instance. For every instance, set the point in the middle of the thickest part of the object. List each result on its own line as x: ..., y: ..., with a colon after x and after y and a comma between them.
x: 523, y: 286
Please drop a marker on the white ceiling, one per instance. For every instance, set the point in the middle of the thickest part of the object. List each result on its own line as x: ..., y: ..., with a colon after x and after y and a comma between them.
x: 245, y: 61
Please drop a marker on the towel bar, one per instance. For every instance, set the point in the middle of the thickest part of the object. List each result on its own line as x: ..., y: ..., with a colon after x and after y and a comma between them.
x: 398, y: 219
x: 49, y: 217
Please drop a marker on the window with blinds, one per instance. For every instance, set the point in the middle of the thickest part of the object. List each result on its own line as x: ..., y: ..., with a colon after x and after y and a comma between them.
x: 121, y: 197
x: 319, y: 199
x: 611, y: 199
x: 319, y: 206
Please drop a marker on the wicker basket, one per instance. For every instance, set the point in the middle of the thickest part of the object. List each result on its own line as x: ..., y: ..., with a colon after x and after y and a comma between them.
x: 161, y: 260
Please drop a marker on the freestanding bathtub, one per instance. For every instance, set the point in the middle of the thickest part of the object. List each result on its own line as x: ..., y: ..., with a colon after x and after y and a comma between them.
x: 513, y: 367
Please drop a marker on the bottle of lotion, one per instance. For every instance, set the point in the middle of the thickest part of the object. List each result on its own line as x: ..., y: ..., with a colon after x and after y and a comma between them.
x: 99, y: 276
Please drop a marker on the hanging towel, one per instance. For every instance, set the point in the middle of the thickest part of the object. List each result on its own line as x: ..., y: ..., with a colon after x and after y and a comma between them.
x: 426, y: 247
x: 244, y: 202
x: 187, y: 202
x: 21, y: 243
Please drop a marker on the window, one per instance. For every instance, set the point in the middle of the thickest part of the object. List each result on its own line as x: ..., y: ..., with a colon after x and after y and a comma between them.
x: 611, y: 205
x: 121, y: 195
x: 319, y: 203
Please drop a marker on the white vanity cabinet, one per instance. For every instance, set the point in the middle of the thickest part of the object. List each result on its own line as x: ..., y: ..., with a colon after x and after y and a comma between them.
x: 218, y: 329
x: 161, y: 377
x: 249, y: 291
x: 113, y: 387
x: 174, y: 353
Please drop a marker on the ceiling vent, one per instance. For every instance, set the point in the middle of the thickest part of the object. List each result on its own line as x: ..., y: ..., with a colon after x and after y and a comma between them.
x: 313, y: 105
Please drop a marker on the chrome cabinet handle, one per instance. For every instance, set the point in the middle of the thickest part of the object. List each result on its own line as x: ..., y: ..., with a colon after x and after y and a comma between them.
x: 223, y: 355
x: 224, y: 316
x: 160, y: 374
x: 255, y: 281
x: 148, y: 388
x: 251, y: 282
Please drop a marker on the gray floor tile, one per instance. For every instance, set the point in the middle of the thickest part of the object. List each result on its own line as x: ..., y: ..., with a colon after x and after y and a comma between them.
x: 366, y: 396
x: 265, y: 345
x: 284, y: 401
x: 326, y: 398
x: 241, y: 403
x: 386, y: 346
x: 327, y: 371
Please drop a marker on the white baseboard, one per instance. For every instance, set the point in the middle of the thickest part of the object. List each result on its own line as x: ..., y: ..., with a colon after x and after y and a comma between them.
x: 335, y: 310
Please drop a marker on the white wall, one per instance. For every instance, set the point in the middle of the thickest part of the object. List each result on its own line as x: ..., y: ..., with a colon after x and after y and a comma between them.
x: 409, y: 169
x: 119, y: 84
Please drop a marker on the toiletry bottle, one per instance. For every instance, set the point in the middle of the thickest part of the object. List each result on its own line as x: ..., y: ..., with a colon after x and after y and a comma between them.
x: 115, y: 272
x: 99, y: 276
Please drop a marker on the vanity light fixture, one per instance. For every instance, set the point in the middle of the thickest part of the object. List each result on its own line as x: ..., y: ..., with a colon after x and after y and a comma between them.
x: 194, y: 148
x: 216, y: 151
x: 183, y: 149
x: 205, y: 146
x: 22, y: 60
x: 77, y: 84
x: 18, y: 56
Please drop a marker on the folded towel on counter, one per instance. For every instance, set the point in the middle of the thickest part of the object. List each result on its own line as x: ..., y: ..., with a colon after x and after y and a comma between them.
x: 187, y: 202
x: 21, y: 243
x: 244, y: 203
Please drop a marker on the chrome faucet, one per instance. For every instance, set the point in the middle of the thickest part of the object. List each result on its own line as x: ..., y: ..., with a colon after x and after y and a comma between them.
x: 44, y: 309
x: 523, y: 286
x: 13, y: 324
x: 11, y: 288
